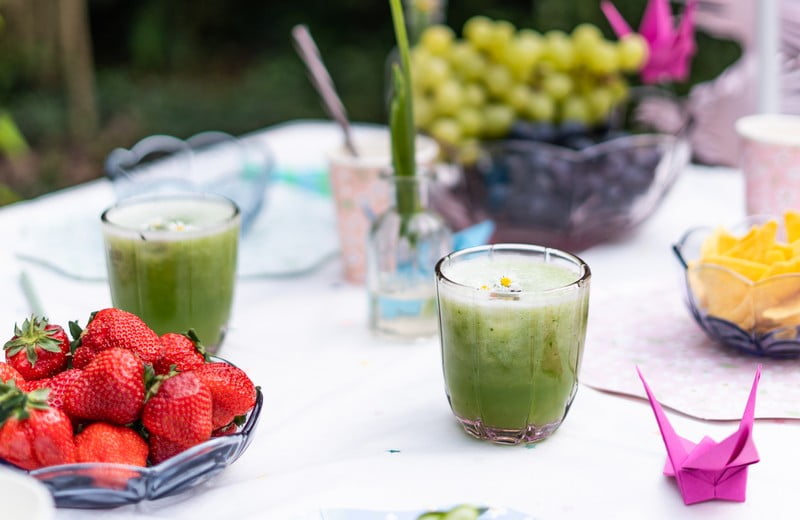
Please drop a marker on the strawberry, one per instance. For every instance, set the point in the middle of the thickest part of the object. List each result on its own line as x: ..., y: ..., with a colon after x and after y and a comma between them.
x: 103, y: 442
x: 38, y: 349
x: 58, y: 385
x: 33, y: 435
x: 9, y: 373
x: 115, y: 328
x: 180, y: 410
x: 184, y: 351
x: 162, y: 449
x: 232, y: 392
x: 110, y: 388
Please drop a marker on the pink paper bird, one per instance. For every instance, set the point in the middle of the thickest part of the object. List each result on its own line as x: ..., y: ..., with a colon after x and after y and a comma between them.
x: 709, y: 470
x: 671, y: 48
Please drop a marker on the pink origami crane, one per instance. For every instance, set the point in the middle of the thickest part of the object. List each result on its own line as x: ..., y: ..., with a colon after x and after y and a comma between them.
x: 671, y: 48
x: 709, y: 470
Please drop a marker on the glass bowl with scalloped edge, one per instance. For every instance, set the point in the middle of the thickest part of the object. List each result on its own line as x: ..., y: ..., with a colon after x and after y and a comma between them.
x: 761, y: 318
x: 573, y: 192
x: 103, y: 485
x: 214, y: 162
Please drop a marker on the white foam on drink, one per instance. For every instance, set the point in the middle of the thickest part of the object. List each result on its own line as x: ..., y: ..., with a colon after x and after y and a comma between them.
x: 537, y: 283
x: 529, y: 275
x: 199, y: 216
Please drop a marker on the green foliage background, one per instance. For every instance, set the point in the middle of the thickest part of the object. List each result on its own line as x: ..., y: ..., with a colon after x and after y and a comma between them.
x: 181, y: 66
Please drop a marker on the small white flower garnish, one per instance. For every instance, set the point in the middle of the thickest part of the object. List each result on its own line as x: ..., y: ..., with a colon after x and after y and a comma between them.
x: 506, y: 285
x: 502, y: 287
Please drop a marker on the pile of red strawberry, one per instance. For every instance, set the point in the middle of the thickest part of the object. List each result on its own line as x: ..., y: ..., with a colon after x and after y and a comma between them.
x: 119, y: 393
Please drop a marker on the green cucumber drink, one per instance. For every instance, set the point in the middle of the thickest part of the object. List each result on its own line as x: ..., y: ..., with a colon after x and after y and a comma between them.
x: 172, y: 261
x: 513, y: 323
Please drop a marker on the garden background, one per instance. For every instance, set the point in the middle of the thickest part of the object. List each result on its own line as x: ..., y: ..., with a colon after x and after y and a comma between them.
x: 81, y: 77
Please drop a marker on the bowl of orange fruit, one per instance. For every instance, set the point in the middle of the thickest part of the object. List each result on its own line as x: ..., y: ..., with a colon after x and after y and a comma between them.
x: 742, y: 283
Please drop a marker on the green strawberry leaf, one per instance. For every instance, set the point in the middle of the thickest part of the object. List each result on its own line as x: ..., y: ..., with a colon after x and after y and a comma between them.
x: 16, y: 403
x: 50, y: 346
x: 30, y: 352
x: 198, y: 345
x: 153, y: 382
x: 76, y: 331
x: 38, y: 399
x: 12, y: 350
x: 16, y: 341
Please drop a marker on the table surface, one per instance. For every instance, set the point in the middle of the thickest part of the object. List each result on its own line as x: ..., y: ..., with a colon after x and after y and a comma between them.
x: 352, y: 420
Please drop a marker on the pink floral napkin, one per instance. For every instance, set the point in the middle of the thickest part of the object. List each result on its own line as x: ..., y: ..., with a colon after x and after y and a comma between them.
x: 650, y: 327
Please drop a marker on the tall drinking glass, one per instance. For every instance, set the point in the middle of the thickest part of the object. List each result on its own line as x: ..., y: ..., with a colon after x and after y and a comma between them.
x: 513, y: 323
x: 172, y: 261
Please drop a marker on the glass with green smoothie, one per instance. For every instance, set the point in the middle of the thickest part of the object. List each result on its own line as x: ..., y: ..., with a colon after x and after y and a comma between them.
x: 513, y: 322
x: 172, y: 261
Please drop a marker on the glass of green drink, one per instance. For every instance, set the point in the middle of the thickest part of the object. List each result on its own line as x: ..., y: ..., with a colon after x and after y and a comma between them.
x: 512, y: 320
x: 171, y: 260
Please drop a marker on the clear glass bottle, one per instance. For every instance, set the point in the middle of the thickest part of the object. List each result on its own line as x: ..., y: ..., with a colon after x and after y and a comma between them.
x: 403, y: 247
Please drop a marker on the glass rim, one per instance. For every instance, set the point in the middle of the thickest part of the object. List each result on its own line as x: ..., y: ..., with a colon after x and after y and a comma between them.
x: 760, y: 128
x: 584, y: 276
x: 223, y: 223
x: 426, y: 149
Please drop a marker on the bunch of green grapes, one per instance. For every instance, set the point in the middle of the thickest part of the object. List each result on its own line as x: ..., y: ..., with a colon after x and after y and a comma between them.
x: 474, y: 88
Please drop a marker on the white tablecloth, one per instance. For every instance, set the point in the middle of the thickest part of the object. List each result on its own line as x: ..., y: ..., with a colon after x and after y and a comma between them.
x: 353, y: 420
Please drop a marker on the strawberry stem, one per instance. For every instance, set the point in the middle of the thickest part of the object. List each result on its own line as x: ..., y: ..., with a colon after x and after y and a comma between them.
x: 32, y: 336
x: 16, y: 403
x: 153, y: 382
x: 198, y: 345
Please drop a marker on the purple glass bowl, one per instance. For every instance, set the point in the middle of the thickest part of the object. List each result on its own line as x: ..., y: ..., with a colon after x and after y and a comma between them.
x: 551, y: 195
x: 752, y: 334
x: 103, y: 486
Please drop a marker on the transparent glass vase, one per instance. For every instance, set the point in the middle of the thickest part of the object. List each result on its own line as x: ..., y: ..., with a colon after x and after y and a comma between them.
x: 403, y: 247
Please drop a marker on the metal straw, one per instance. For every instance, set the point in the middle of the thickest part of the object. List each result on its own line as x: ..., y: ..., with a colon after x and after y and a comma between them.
x: 307, y: 49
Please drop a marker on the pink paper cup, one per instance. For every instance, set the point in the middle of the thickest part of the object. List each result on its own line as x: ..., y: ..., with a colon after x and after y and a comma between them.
x: 360, y: 194
x: 770, y: 161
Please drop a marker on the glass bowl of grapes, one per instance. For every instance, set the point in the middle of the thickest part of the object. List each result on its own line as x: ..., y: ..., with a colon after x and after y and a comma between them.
x: 551, y: 142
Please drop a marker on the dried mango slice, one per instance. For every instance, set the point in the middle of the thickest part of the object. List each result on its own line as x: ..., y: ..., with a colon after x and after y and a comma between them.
x: 751, y: 270
x: 765, y: 299
x: 726, y: 242
x: 795, y: 246
x: 710, y: 246
x: 777, y: 303
x: 791, y: 221
x: 722, y: 294
x: 755, y: 244
x: 782, y: 267
x: 786, y: 249
x: 774, y: 256
x: 718, y: 243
